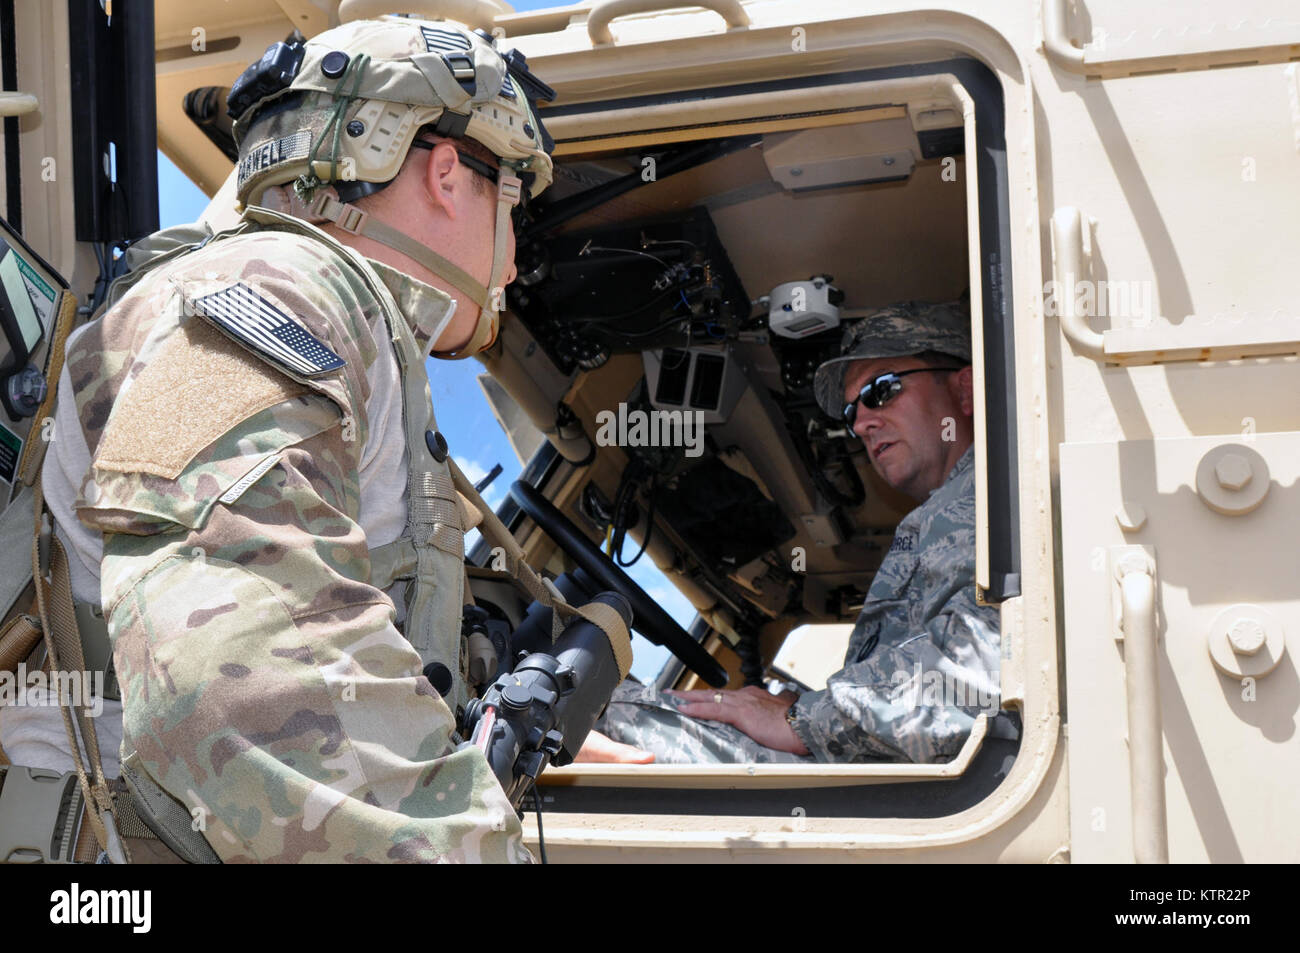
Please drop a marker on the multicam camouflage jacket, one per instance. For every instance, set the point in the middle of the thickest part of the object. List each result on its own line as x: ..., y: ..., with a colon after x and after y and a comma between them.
x: 265, y: 684
x: 924, y: 658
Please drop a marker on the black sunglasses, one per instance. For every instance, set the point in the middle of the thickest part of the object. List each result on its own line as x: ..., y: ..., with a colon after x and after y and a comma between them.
x: 477, y: 165
x: 878, y: 392
x: 488, y: 172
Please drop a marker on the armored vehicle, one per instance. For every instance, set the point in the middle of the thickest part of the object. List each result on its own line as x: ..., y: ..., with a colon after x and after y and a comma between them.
x: 1112, y: 185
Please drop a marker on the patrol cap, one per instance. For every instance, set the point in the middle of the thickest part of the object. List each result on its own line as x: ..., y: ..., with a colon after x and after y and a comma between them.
x: 901, y: 330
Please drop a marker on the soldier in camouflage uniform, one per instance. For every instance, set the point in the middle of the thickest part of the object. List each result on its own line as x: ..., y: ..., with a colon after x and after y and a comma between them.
x: 923, y: 659
x: 235, y: 435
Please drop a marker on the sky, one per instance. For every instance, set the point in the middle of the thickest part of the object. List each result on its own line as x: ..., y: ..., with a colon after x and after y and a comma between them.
x: 464, y: 418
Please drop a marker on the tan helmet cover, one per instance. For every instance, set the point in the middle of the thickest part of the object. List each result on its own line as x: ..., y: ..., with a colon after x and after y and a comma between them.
x: 398, y: 77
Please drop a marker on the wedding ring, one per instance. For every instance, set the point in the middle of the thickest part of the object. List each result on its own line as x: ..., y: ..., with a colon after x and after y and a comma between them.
x: 717, y: 698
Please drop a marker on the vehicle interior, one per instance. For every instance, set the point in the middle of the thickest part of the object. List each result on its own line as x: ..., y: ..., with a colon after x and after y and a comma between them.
x: 656, y: 292
x: 656, y: 298
x: 649, y: 280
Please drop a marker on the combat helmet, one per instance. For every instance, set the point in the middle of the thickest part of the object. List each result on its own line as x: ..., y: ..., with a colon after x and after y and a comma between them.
x: 344, y: 108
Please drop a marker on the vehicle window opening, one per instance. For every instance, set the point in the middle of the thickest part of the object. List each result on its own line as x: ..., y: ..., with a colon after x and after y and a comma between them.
x: 657, y: 281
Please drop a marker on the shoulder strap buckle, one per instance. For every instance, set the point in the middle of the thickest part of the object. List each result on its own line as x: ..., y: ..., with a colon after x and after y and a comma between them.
x: 40, y: 814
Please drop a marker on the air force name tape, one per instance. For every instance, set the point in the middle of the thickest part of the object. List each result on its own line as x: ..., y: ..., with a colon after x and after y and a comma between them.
x: 253, y: 321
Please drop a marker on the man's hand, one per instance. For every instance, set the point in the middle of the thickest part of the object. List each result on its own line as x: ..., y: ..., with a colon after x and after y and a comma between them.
x: 755, y: 711
x: 602, y: 749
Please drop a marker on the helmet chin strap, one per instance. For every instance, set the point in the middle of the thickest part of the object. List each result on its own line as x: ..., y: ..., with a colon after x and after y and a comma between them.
x: 358, y: 222
x: 509, y: 188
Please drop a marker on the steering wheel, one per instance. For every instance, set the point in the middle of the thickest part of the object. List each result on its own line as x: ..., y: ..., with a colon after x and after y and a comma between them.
x: 648, y: 617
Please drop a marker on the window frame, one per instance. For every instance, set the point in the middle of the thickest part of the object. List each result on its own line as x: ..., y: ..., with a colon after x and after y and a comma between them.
x: 762, y: 790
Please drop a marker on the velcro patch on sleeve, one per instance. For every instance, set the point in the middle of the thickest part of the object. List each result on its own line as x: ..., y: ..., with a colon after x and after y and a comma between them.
x: 250, y: 319
x: 197, y: 387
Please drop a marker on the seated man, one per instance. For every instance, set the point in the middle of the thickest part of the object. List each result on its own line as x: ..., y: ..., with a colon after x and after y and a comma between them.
x: 923, y: 660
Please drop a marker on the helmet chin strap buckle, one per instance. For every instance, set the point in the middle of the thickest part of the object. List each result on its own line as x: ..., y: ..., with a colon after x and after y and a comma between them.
x: 347, y: 217
x: 509, y: 188
x: 509, y: 193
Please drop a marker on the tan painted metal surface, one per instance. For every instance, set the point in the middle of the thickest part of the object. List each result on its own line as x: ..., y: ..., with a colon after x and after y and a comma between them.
x: 1152, y: 154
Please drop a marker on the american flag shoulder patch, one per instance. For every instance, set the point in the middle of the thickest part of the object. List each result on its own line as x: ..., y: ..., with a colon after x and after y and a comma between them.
x: 253, y: 321
x: 444, y: 41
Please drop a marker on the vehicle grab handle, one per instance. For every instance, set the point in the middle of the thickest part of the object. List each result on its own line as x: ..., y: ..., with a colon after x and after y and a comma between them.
x: 1231, y: 43
x: 1071, y: 262
x: 1154, y: 341
x: 1135, y: 572
x: 17, y: 104
x: 605, y: 11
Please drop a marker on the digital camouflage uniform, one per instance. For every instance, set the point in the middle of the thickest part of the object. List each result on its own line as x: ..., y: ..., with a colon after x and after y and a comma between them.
x: 920, y: 617
x: 643, y: 716
x: 264, y: 682
x: 923, y: 659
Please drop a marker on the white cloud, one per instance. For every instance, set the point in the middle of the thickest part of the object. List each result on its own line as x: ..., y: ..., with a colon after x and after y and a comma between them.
x: 472, y: 469
x: 475, y: 471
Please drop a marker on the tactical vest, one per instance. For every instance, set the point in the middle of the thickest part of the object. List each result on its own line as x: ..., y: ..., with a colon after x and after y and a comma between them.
x: 428, y: 557
x: 430, y: 553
